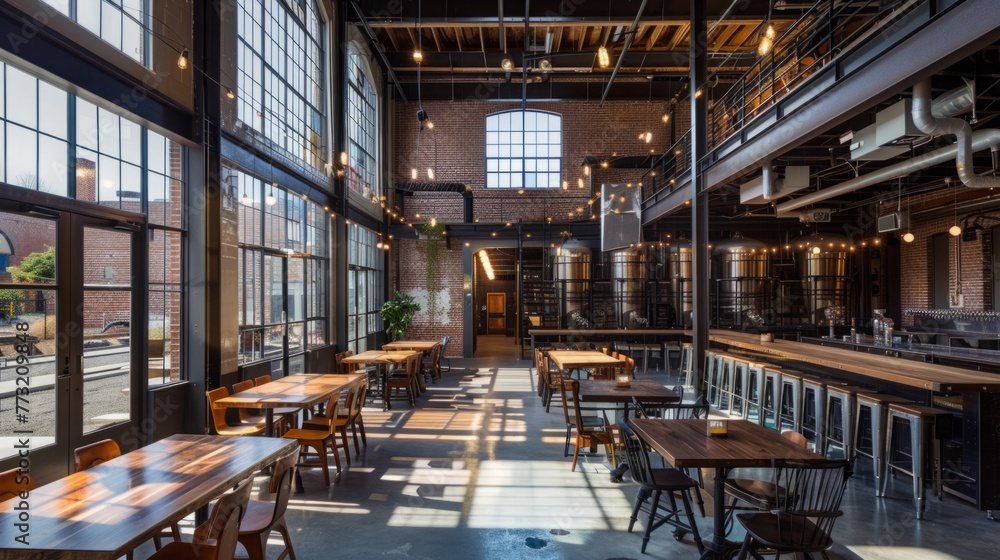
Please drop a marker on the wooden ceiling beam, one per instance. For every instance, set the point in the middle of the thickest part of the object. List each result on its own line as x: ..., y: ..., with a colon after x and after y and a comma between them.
x: 378, y: 24
x: 654, y: 37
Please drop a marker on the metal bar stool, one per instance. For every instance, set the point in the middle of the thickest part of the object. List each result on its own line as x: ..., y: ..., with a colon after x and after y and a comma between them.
x: 927, y: 426
x: 877, y: 407
x: 687, y: 364
x: 740, y: 387
x: 770, y: 397
x: 753, y: 408
x: 725, y: 391
x: 713, y: 373
x: 841, y: 419
x: 790, y: 400
x: 813, y: 415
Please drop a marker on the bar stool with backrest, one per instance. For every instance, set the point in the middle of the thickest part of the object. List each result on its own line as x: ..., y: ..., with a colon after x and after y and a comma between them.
x: 217, y: 537
x: 928, y: 426
x: 656, y: 483
x: 877, y: 407
x: 91, y: 455
x: 805, y: 512
x: 263, y: 518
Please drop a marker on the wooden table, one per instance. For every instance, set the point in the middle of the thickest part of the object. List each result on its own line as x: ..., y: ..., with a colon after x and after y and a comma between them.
x: 381, y: 359
x: 108, y: 510
x: 568, y: 360
x: 419, y: 345
x: 298, y: 391
x: 607, y: 391
x: 684, y: 444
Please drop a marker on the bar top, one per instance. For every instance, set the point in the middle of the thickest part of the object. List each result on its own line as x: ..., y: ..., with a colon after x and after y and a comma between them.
x: 933, y: 377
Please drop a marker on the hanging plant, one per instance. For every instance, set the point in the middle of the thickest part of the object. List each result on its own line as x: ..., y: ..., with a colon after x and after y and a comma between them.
x: 434, y: 248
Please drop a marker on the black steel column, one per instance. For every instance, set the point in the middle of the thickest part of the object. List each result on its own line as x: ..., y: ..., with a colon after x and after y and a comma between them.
x: 699, y: 199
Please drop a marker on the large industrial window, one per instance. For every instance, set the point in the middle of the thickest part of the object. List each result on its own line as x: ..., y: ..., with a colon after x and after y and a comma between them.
x: 122, y: 23
x: 283, y: 269
x: 365, y: 287
x: 111, y: 161
x: 523, y: 150
x: 281, y: 75
x: 362, y: 122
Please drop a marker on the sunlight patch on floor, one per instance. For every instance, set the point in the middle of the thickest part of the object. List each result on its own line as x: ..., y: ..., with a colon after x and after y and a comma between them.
x: 874, y: 552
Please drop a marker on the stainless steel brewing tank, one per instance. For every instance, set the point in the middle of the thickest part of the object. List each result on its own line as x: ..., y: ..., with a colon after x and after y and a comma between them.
x: 681, y: 279
x: 739, y: 268
x: 573, y: 279
x: 824, y: 268
x: 628, y: 279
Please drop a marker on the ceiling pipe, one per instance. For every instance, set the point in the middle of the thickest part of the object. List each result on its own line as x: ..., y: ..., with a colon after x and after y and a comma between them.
x: 956, y: 101
x: 980, y: 140
x: 621, y: 57
x: 928, y: 124
x: 503, y: 36
x: 768, y: 186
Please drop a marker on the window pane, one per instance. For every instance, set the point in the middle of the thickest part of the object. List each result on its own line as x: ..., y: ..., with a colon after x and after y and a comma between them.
x: 513, y: 140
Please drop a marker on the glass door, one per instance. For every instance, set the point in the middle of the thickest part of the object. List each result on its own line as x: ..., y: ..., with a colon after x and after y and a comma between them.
x: 70, y: 336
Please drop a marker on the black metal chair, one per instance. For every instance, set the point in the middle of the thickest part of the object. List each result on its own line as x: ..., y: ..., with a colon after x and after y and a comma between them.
x: 444, y: 346
x: 655, y: 483
x: 805, y: 512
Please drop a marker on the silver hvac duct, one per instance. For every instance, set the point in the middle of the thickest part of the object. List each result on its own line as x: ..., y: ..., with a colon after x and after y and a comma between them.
x: 573, y: 279
x: 928, y: 124
x: 739, y: 269
x: 981, y: 140
x: 628, y: 283
x: 950, y: 103
x: 681, y: 280
x: 823, y: 268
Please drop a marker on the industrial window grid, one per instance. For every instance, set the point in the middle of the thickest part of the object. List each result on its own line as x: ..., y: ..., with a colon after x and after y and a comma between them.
x: 124, y: 24
x: 523, y: 150
x: 365, y: 288
x: 362, y: 132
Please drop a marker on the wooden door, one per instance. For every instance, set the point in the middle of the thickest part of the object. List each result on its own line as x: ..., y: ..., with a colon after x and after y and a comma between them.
x: 496, y: 313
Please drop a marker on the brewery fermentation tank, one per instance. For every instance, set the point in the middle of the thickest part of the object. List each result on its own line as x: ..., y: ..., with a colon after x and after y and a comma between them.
x: 573, y: 280
x: 739, y: 272
x: 681, y: 277
x: 628, y: 279
x: 824, y: 266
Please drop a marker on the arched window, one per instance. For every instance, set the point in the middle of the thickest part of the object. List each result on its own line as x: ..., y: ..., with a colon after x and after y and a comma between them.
x: 281, y: 75
x: 124, y: 24
x: 523, y: 150
x: 362, y: 125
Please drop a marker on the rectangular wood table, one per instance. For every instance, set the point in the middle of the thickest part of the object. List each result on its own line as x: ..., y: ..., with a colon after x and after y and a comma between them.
x: 607, y: 391
x: 419, y: 345
x: 567, y: 360
x: 381, y: 359
x: 297, y: 391
x: 684, y: 444
x: 108, y: 510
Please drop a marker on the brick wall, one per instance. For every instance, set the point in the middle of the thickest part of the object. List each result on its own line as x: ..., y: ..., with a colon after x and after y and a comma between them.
x: 456, y: 149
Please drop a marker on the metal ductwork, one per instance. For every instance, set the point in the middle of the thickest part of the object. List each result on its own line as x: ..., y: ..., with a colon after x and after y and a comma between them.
x: 962, y: 130
x: 981, y: 140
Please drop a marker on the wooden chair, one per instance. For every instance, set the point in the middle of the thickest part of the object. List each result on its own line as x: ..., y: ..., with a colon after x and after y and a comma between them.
x: 655, y: 482
x: 247, y: 415
x: 318, y: 439
x: 804, y: 514
x: 222, y: 427
x: 588, y: 432
x: 355, y: 420
x: 341, y: 421
x: 285, y: 418
x: 94, y: 454
x: 432, y: 363
x: 215, y: 539
x: 262, y: 518
x: 13, y: 483
x: 266, y: 378
x: 404, y: 379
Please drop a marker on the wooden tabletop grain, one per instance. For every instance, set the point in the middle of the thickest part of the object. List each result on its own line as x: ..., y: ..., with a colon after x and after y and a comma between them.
x: 299, y: 390
x: 933, y: 377
x: 684, y: 443
x: 108, y: 510
x: 421, y: 345
x: 601, y: 390
x: 576, y: 359
x: 379, y: 357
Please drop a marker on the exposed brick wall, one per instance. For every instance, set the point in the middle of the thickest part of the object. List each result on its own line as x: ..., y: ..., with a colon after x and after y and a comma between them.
x: 459, y: 141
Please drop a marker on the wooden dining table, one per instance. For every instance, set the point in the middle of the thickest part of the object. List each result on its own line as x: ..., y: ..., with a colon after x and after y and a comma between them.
x: 419, y: 345
x: 685, y: 444
x: 568, y: 360
x: 106, y: 511
x: 382, y: 359
x: 294, y: 391
x: 608, y: 391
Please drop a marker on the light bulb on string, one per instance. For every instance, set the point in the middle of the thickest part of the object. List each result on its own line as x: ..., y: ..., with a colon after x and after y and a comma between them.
x: 182, y: 60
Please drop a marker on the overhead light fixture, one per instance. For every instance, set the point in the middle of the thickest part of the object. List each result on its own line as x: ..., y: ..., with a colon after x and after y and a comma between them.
x: 648, y: 137
x: 579, y: 183
x: 270, y: 199
x: 418, y: 56
x: 545, y: 65
x: 769, y: 32
x: 434, y: 222
x: 430, y: 173
x: 586, y: 170
x: 413, y: 173
x: 429, y: 125
x: 665, y: 118
x: 507, y: 63
x: 343, y: 159
x: 182, y: 60
x: 487, y: 267
x: 246, y: 200
x: 603, y: 58
x: 955, y: 230
x: 909, y: 237
x: 230, y: 93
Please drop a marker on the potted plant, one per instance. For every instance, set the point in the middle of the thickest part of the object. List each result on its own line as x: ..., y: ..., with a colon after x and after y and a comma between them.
x: 398, y: 314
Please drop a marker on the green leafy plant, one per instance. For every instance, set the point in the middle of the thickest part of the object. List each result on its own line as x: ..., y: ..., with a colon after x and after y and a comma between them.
x: 35, y: 267
x: 434, y: 248
x: 398, y: 314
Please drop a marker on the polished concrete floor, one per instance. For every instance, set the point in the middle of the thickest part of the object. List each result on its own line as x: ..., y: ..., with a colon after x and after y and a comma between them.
x: 477, y: 471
